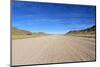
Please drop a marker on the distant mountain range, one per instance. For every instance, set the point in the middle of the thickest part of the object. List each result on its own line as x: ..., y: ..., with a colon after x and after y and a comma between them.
x: 90, y: 30
x: 40, y: 33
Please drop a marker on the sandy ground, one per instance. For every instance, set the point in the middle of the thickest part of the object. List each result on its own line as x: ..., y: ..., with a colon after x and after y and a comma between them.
x: 52, y: 49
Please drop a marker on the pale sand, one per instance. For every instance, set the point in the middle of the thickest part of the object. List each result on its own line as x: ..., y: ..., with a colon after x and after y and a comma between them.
x: 52, y: 49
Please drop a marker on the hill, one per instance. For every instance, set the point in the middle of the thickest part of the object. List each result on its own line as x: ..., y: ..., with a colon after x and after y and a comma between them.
x: 21, y: 34
x: 89, y: 32
x: 16, y: 31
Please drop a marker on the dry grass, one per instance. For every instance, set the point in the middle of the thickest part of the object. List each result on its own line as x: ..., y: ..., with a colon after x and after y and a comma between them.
x: 25, y: 36
x: 21, y: 36
x: 84, y: 35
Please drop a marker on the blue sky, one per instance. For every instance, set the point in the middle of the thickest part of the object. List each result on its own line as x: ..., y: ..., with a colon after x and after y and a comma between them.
x: 52, y: 18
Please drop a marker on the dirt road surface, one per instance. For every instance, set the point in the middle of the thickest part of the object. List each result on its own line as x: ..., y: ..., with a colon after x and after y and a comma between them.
x: 52, y: 49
